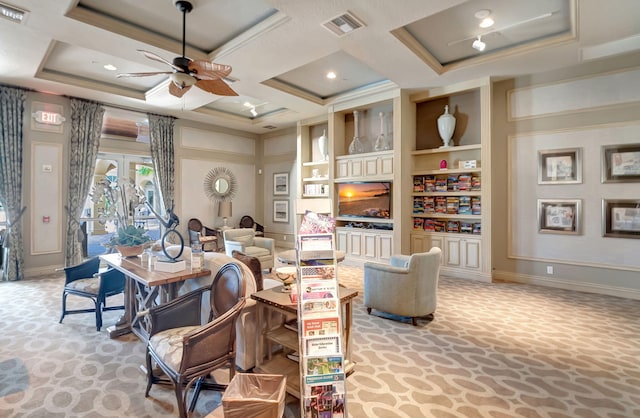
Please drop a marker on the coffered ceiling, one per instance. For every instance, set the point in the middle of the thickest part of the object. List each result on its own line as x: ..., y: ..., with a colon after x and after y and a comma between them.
x: 281, y: 50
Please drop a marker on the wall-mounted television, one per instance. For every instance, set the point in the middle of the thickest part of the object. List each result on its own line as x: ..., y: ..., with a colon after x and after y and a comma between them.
x: 365, y: 199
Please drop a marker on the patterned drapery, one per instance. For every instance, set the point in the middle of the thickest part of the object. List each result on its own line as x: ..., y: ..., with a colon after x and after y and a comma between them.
x: 11, y: 119
x: 86, y: 124
x: 162, y: 153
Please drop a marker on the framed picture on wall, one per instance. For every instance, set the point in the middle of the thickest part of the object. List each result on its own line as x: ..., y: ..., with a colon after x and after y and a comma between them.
x: 621, y: 218
x: 621, y: 163
x: 560, y: 166
x: 281, y: 211
x: 281, y: 184
x: 558, y: 216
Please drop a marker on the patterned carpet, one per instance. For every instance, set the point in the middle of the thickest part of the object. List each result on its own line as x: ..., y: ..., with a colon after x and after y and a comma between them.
x: 493, y: 350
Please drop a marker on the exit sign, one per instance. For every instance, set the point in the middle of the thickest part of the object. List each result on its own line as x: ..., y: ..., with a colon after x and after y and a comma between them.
x: 48, y: 118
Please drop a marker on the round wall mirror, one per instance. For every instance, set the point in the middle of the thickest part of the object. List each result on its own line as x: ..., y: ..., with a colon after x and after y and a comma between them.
x: 220, y: 184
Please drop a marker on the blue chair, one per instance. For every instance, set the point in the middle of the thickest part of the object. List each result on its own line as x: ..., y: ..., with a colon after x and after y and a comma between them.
x: 85, y: 280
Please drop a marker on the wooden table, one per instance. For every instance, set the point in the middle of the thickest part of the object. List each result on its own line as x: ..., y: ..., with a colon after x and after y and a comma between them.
x: 144, y: 289
x: 275, y: 299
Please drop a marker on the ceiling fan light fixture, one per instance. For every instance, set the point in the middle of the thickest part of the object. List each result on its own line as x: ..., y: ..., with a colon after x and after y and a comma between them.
x: 183, y: 80
x: 478, y: 45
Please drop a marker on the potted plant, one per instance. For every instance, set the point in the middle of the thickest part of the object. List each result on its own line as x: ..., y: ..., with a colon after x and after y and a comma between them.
x: 118, y: 203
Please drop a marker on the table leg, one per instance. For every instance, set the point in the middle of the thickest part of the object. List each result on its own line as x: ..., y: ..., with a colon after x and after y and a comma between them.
x: 123, y: 325
x: 259, y: 333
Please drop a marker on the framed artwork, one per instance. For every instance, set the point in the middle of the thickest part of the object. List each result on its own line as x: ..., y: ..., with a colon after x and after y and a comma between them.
x: 621, y: 218
x: 558, y: 216
x: 281, y: 211
x: 560, y: 166
x: 621, y: 163
x: 281, y: 184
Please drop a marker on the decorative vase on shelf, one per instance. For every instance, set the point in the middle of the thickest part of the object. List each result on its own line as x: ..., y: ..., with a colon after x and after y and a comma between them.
x: 446, y: 126
x: 356, y: 146
x: 323, y: 145
x: 381, y: 141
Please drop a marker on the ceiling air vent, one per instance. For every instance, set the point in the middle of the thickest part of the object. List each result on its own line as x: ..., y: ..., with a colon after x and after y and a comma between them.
x: 343, y: 24
x: 269, y: 127
x: 12, y: 13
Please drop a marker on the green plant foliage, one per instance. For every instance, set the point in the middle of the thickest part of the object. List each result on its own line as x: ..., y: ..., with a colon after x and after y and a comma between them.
x: 130, y: 236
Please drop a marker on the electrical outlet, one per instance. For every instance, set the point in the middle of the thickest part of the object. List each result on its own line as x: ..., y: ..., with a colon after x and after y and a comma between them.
x: 284, y: 237
x: 549, y: 269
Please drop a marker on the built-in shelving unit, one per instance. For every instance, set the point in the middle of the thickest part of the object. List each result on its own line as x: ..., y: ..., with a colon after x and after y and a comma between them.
x: 450, y: 196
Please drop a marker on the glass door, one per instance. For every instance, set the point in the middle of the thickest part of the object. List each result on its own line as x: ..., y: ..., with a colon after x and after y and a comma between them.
x: 117, y: 168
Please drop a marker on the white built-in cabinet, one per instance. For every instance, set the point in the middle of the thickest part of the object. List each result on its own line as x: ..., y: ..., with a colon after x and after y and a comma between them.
x: 451, y: 200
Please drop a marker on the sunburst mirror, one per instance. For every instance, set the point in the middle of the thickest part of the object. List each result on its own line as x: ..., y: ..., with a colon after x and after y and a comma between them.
x: 220, y: 184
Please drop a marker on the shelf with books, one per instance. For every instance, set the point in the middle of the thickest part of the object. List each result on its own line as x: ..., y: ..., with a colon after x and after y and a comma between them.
x: 450, y: 208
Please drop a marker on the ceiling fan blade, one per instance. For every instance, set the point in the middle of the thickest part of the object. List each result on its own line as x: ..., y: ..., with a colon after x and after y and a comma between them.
x: 206, y: 70
x: 143, y: 74
x: 217, y: 86
x: 158, y: 58
x: 174, y: 90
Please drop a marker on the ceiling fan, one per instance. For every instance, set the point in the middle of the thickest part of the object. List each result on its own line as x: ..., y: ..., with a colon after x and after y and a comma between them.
x: 187, y: 72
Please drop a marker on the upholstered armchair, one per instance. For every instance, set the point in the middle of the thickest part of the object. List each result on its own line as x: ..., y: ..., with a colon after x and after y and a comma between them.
x: 187, y: 351
x: 86, y: 281
x: 200, y: 234
x: 247, y: 222
x: 245, y: 241
x: 246, y: 324
x: 406, y: 287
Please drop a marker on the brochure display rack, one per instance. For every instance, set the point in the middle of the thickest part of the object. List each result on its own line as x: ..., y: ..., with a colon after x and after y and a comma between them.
x: 322, y: 361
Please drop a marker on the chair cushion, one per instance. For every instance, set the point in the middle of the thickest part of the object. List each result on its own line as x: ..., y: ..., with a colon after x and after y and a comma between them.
x: 246, y: 240
x: 168, y: 345
x: 90, y: 285
x: 256, y: 251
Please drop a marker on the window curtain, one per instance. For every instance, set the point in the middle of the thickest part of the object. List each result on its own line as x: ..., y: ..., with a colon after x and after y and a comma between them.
x: 162, y: 154
x: 12, y: 102
x: 86, y: 125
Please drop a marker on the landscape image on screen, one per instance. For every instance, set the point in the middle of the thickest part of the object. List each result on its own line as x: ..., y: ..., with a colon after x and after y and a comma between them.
x: 369, y: 200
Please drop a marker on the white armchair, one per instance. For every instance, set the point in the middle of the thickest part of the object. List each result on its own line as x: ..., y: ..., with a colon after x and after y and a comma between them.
x: 406, y: 287
x: 246, y: 323
x: 245, y: 241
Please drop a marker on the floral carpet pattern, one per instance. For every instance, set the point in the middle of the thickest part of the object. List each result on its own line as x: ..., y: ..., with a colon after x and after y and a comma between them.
x: 492, y: 350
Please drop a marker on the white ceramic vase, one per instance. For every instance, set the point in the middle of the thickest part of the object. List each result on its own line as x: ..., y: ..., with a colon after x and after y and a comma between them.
x: 446, y: 126
x: 381, y: 142
x: 323, y: 145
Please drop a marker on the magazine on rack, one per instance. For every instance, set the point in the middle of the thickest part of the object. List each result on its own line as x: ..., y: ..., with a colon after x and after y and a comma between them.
x: 325, y: 400
x: 325, y: 326
x: 322, y: 346
x: 323, y: 365
x: 320, y: 272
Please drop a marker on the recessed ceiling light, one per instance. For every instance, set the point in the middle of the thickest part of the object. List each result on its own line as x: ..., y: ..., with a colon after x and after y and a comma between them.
x: 331, y: 75
x: 110, y: 67
x: 487, y: 22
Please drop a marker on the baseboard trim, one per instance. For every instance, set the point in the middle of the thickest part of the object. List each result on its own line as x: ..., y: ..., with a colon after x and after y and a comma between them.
x: 622, y: 292
x: 41, y: 271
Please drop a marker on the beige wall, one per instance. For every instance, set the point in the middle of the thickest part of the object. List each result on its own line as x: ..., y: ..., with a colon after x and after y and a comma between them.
x: 588, y: 261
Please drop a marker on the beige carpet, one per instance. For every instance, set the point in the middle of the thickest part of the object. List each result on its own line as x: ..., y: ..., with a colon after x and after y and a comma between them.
x: 493, y: 350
